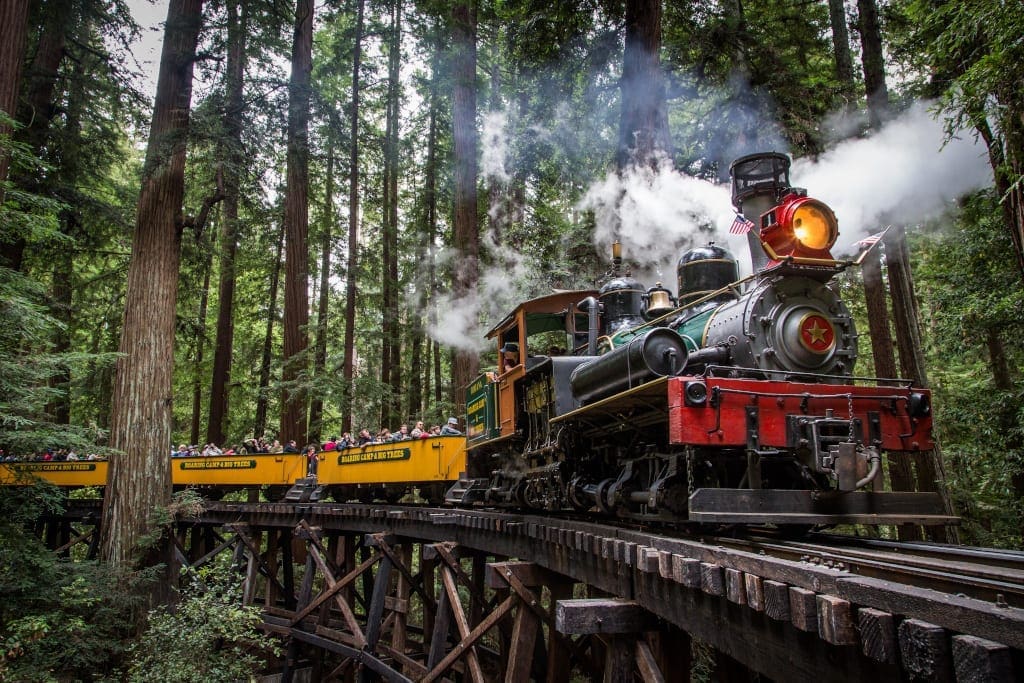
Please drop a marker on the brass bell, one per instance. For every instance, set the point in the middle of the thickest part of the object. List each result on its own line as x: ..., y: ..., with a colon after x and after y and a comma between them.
x: 659, y: 301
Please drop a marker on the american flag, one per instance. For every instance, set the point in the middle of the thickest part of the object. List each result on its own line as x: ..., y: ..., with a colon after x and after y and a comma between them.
x: 870, y: 240
x: 741, y: 226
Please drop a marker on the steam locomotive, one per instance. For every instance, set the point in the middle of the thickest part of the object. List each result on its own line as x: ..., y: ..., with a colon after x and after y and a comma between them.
x: 733, y: 401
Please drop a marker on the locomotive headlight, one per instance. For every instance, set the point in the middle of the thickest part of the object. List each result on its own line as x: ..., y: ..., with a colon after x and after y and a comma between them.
x: 814, y: 226
x: 799, y: 227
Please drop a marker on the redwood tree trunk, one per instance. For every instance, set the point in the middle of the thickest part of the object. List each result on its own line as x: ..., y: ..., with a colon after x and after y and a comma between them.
x: 260, y: 425
x: 14, y: 19
x: 873, y: 60
x: 643, y: 124
x: 140, y: 472
x: 901, y: 470
x: 316, y: 403
x: 234, y: 153
x: 841, y: 49
x: 296, y: 221
x: 931, y: 475
x: 391, y: 344
x: 348, y: 370
x: 466, y: 230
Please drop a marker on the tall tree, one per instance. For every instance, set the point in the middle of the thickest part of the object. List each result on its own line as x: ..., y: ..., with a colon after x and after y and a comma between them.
x: 643, y: 124
x: 351, y: 290
x: 841, y: 49
x: 262, y: 397
x: 873, y: 61
x: 296, y: 220
x: 14, y: 19
x: 140, y: 474
x: 231, y: 170
x: 316, y: 403
x: 466, y: 228
x: 390, y: 339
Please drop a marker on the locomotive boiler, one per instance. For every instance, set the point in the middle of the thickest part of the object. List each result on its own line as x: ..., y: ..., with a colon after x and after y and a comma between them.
x: 732, y: 401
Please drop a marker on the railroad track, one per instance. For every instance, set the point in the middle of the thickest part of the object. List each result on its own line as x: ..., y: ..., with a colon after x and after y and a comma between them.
x: 992, y: 575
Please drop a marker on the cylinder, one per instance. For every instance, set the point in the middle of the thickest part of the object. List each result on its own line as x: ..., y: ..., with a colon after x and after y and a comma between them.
x: 657, y: 353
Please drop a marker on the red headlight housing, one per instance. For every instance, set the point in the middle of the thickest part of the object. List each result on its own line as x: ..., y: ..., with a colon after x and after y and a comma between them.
x: 799, y: 227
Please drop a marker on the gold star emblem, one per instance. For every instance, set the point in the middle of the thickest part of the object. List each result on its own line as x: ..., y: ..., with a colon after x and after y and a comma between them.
x: 817, y: 333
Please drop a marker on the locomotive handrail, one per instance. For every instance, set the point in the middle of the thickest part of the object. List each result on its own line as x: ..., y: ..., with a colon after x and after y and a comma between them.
x: 789, y: 374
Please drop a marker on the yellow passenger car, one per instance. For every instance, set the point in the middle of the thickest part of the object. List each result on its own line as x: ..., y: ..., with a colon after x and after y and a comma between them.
x: 237, y: 471
x: 71, y: 474
x: 418, y: 469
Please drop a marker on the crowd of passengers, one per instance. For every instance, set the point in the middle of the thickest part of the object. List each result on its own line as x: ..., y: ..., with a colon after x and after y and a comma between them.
x: 50, y: 455
x: 362, y: 438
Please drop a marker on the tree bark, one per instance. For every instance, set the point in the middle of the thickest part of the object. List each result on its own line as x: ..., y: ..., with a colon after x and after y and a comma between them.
x: 14, y: 19
x: 391, y: 342
x: 466, y: 229
x: 643, y: 123
x: 901, y: 471
x: 351, y: 292
x: 316, y: 403
x: 841, y: 50
x: 260, y: 424
x: 931, y: 474
x: 231, y: 169
x: 419, y: 373
x: 197, y: 362
x: 296, y: 220
x: 140, y: 474
x: 873, y: 61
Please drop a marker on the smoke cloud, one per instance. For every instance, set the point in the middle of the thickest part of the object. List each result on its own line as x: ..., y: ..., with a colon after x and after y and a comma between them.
x: 902, y: 174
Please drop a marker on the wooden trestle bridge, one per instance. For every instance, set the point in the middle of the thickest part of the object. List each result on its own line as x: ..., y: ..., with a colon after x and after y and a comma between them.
x: 423, y: 594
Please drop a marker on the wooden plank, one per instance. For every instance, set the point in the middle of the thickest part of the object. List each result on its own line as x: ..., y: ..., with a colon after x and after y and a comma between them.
x: 559, y: 663
x: 735, y: 589
x: 618, y: 659
x: 924, y: 649
x: 802, y: 609
x: 524, y: 639
x: 878, y: 635
x: 528, y: 573
x: 443, y: 664
x: 711, y: 581
x: 686, y: 570
x: 755, y: 592
x: 776, y: 600
x: 588, y: 616
x: 977, y: 660
x: 462, y: 624
x: 648, y: 666
x: 835, y: 622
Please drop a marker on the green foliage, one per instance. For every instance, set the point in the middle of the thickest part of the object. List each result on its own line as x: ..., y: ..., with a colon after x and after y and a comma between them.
x: 967, y: 279
x: 59, y: 620
x: 207, y: 636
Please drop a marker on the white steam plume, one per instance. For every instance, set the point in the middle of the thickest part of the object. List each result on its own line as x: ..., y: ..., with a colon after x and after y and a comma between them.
x: 657, y: 214
x: 902, y: 174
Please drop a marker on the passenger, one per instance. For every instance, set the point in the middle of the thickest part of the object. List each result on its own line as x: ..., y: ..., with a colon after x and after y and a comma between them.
x: 346, y: 441
x: 383, y: 436
x: 402, y: 434
x: 364, y: 437
x: 509, y: 356
x: 331, y: 444
x: 435, y: 430
x: 275, y: 447
x: 451, y: 428
x: 418, y: 432
x: 312, y: 460
x: 292, y: 447
x: 182, y: 451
